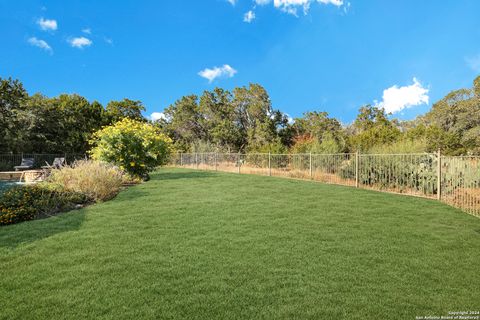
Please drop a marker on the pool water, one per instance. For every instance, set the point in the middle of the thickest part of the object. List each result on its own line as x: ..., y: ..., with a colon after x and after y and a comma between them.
x: 4, y: 185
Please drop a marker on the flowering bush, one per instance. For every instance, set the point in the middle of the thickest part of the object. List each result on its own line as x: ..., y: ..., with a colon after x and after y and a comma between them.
x: 29, y: 202
x: 97, y: 180
x: 136, y: 147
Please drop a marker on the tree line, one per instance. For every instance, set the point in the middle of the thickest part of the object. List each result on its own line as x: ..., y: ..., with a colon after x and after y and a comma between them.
x: 241, y: 120
x: 38, y: 124
x: 244, y: 120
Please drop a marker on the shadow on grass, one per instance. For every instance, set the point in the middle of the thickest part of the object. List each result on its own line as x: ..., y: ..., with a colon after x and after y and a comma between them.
x: 182, y: 175
x: 30, y: 231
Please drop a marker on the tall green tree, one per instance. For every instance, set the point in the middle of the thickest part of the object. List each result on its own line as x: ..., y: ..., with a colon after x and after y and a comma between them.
x: 61, y: 124
x: 454, y: 121
x: 12, y: 96
x: 258, y: 121
x: 372, y: 128
x: 220, y: 119
x: 244, y: 120
x: 126, y: 108
x: 316, y: 124
x: 316, y: 132
x: 185, y: 122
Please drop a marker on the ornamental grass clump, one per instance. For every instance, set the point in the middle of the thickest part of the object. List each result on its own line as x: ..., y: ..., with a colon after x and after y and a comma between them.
x: 97, y: 180
x: 136, y: 147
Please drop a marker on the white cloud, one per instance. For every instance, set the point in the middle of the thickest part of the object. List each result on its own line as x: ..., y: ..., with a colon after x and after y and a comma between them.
x: 249, y: 16
x: 218, y: 72
x: 80, y: 42
x: 397, y: 98
x: 289, y: 118
x: 291, y: 6
x: 47, y: 24
x: 337, y: 3
x: 155, y: 116
x: 474, y: 63
x: 87, y: 30
x: 40, y: 43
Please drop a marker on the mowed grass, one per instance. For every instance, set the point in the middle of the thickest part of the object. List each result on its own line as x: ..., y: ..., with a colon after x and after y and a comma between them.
x: 204, y: 245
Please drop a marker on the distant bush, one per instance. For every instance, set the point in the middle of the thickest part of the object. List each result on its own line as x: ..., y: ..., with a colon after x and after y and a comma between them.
x: 274, y: 147
x: 24, y: 203
x: 329, y: 144
x: 97, y: 180
x: 136, y: 147
x: 419, y: 145
x: 204, y: 147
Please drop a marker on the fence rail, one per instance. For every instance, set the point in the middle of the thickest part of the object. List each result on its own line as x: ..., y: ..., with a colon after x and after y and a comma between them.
x: 9, y: 161
x: 453, y: 180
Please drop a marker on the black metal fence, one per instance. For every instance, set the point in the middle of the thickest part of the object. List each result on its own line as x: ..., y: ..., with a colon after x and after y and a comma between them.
x: 453, y: 180
x: 9, y: 161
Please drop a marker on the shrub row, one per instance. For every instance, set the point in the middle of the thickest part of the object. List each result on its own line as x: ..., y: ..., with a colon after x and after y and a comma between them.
x: 83, y: 182
x: 30, y: 202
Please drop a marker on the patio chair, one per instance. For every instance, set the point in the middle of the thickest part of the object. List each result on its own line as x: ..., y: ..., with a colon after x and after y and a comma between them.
x: 57, y: 164
x: 27, y: 163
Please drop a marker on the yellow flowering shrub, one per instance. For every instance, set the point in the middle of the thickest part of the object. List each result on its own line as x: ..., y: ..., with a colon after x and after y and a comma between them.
x: 136, y: 147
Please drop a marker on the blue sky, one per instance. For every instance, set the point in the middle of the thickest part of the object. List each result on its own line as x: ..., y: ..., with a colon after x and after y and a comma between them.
x: 325, y: 55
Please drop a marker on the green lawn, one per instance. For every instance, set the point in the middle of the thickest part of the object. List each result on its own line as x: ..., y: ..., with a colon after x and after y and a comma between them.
x: 205, y: 245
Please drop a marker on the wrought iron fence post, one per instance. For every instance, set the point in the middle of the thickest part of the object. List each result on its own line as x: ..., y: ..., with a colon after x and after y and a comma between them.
x: 181, y: 159
x: 196, y: 160
x: 238, y: 162
x: 310, y: 163
x: 269, y: 164
x: 215, y: 160
x: 439, y: 175
x: 357, y: 159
